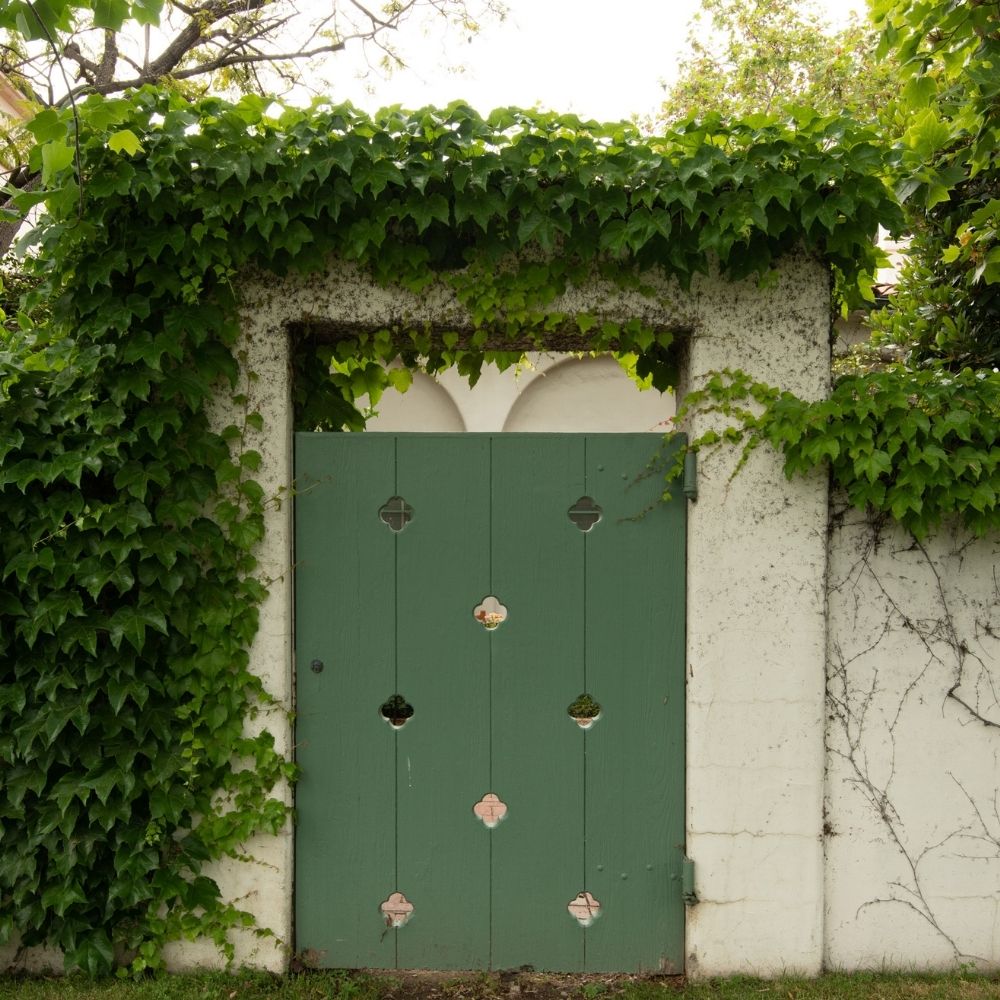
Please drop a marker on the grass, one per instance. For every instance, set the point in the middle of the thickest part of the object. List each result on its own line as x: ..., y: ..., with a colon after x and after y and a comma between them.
x: 516, y: 986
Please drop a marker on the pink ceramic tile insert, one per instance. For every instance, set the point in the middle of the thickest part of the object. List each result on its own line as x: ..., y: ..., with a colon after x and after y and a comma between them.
x: 397, y: 909
x: 584, y: 909
x: 490, y: 809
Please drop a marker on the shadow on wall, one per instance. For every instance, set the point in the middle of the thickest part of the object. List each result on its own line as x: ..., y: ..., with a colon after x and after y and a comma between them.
x: 555, y: 393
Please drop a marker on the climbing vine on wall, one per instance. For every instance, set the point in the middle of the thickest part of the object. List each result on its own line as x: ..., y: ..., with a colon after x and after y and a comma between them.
x: 129, y: 521
x: 916, y: 445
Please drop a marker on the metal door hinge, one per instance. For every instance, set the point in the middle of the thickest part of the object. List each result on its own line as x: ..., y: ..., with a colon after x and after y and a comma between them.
x: 690, y: 486
x: 687, y: 882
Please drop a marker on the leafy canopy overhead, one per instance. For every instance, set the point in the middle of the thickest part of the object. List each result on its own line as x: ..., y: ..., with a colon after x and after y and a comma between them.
x: 41, y: 19
x: 757, y: 57
x: 55, y: 52
x: 94, y: 45
x: 946, y: 173
x: 448, y: 189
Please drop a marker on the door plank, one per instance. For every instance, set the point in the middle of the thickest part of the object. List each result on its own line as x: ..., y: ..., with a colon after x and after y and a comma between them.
x: 635, y: 752
x: 537, y: 671
x: 344, y: 798
x: 443, y: 751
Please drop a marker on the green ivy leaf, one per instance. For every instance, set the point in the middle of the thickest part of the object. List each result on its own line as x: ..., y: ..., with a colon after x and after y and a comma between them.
x: 93, y: 953
x: 110, y: 14
x: 125, y: 141
x: 48, y: 126
x: 56, y: 157
x: 131, y: 623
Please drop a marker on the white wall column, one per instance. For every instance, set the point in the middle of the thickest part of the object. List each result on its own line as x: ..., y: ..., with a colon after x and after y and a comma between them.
x: 263, y: 884
x: 756, y: 647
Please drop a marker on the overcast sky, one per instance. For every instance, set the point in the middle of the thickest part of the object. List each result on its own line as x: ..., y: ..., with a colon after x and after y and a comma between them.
x: 599, y: 59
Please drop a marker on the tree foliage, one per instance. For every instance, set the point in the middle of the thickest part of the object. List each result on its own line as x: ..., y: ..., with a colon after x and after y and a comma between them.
x: 914, y: 440
x: 757, y: 57
x: 53, y: 53
x: 946, y: 173
x: 57, y: 50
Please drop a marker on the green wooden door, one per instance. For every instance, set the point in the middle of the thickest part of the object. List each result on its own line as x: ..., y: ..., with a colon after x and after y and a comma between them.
x: 450, y: 812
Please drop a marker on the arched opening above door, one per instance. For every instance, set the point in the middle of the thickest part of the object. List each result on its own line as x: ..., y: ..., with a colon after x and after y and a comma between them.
x: 550, y: 392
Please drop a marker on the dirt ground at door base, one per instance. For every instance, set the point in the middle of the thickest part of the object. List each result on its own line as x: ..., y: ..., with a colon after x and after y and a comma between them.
x: 515, y: 984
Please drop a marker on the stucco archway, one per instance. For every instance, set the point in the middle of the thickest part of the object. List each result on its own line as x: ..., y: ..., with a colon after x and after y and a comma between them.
x: 551, y: 392
x: 756, y: 570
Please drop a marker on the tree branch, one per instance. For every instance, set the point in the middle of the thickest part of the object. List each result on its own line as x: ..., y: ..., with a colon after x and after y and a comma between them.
x: 211, y: 66
x: 393, y: 22
x: 187, y: 38
x: 109, y: 60
x: 87, y: 67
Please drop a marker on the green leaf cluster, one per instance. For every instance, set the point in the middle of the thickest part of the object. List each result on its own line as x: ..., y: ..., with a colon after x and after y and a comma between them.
x: 945, y: 172
x: 919, y: 446
x: 752, y: 58
x: 44, y: 20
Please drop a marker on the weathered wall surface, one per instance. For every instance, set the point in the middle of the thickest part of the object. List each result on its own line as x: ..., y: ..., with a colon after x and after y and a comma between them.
x: 757, y: 562
x: 756, y: 634
x: 842, y: 806
x: 913, y: 739
x: 261, y: 883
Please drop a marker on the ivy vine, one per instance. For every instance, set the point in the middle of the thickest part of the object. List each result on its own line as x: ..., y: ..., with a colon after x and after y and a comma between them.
x: 918, y: 446
x: 127, y: 575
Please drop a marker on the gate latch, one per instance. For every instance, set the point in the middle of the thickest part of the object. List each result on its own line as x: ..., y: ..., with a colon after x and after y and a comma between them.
x: 690, y: 484
x: 687, y: 882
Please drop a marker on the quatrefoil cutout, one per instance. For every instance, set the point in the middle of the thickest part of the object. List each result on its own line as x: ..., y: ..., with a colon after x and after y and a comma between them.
x: 585, y: 513
x: 396, y: 513
x: 491, y: 810
x: 584, y: 909
x: 584, y: 710
x: 490, y: 613
x: 397, y: 711
x: 397, y: 909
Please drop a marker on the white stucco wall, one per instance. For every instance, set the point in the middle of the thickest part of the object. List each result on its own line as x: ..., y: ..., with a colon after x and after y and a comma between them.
x: 913, y: 829
x: 828, y: 771
x: 757, y: 562
x: 756, y: 635
x: 262, y: 882
x: 842, y: 802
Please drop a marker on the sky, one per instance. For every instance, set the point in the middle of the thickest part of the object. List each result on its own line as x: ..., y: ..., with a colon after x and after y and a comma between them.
x: 601, y: 59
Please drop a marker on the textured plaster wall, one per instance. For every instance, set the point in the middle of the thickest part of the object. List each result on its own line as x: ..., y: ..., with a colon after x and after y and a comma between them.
x: 842, y: 683
x: 263, y: 882
x: 913, y: 828
x: 756, y: 636
x: 756, y: 641
x: 756, y: 646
